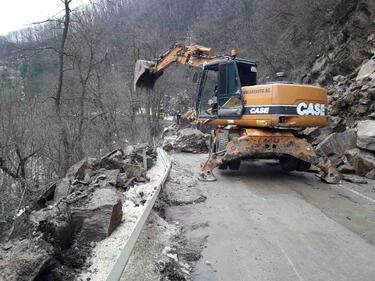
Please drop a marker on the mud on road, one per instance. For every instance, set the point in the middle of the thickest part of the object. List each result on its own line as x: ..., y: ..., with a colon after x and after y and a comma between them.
x: 260, y: 223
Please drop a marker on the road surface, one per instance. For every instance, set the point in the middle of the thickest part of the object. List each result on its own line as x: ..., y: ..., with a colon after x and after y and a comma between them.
x: 264, y: 224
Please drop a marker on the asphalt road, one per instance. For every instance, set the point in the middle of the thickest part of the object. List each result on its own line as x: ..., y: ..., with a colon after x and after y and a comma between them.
x: 262, y: 223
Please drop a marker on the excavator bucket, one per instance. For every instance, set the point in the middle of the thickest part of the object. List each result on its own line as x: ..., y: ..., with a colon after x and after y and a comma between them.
x: 144, y: 74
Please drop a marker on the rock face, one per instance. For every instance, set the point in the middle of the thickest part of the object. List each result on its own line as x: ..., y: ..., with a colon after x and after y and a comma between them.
x: 366, y: 135
x: 192, y: 141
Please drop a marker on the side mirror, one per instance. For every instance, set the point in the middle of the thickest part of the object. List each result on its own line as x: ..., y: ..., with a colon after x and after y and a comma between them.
x: 196, y: 77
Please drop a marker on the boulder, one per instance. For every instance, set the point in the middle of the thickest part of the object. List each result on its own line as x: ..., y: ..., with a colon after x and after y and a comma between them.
x: 169, y: 131
x: 366, y: 70
x: 355, y: 179
x: 317, y: 134
x: 62, y: 190
x: 107, y: 177
x: 77, y: 171
x: 113, y: 160
x: 371, y: 93
x: 167, y: 146
x: 337, y: 143
x: 343, y: 9
x: 136, y: 172
x: 362, y: 161
x: 97, y: 219
x: 20, y: 225
x: 54, y: 222
x: 371, y: 175
x: 319, y: 65
x: 137, y: 154
x: 366, y: 135
x: 192, y: 141
x: 47, y: 194
x: 24, y: 260
x: 339, y: 78
x: 346, y: 169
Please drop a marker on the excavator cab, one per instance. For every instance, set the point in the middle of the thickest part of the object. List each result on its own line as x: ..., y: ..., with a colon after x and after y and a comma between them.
x: 219, y: 94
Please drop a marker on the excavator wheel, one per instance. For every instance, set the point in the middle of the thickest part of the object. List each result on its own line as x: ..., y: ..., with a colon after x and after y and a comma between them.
x: 289, y: 163
x: 235, y: 164
x: 303, y: 166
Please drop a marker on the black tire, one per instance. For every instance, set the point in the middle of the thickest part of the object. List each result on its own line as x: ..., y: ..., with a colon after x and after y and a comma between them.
x: 235, y: 164
x: 289, y: 163
x: 303, y: 166
x: 223, y: 166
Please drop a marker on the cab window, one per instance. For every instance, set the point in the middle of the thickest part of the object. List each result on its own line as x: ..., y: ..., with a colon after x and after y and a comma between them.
x: 209, y: 91
x: 247, y: 73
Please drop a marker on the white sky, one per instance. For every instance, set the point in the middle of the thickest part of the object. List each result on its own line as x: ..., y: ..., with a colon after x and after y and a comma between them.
x: 16, y: 14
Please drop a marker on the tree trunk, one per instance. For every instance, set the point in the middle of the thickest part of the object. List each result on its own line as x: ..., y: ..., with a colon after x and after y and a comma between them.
x: 63, y: 134
x: 148, y: 116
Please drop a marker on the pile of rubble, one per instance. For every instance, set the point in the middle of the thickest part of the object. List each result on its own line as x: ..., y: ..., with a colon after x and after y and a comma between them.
x: 188, y: 140
x: 349, y: 139
x: 353, y: 97
x: 52, y: 239
x: 350, y: 149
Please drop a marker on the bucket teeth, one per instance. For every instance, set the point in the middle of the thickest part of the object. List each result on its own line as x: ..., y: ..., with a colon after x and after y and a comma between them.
x: 206, y: 177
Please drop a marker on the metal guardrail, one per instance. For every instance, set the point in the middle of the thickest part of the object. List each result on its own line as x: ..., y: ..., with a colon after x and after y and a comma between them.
x: 126, y: 252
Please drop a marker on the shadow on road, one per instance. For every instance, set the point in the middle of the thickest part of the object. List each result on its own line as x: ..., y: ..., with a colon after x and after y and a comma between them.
x: 265, y: 170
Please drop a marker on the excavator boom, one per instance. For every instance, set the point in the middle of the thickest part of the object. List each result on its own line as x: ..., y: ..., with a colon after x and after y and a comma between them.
x: 147, y: 72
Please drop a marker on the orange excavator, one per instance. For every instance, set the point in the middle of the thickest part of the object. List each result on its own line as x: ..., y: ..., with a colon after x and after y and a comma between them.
x: 251, y: 121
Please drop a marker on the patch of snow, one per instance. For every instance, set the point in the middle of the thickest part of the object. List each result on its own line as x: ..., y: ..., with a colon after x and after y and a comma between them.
x: 173, y: 256
x: 167, y: 250
x: 20, y: 212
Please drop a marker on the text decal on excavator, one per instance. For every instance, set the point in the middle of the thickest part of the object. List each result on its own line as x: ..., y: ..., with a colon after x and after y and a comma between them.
x: 315, y: 109
x: 260, y: 91
x: 303, y: 109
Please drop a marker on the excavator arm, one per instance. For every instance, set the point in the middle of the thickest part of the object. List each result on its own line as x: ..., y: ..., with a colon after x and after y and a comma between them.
x: 147, y: 72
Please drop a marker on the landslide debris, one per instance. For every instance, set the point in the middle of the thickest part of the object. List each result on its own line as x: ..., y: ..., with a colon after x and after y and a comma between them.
x: 349, y: 138
x: 345, y: 66
x: 187, y: 140
x: 52, y: 239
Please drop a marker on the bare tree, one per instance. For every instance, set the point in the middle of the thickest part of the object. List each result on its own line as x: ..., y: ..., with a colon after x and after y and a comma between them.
x: 66, y: 149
